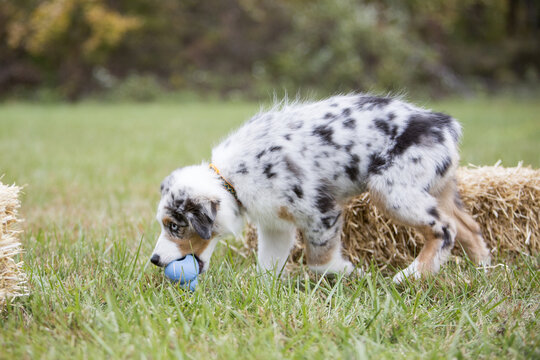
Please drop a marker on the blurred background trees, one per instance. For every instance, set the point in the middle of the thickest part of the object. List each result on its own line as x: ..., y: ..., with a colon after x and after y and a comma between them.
x: 136, y: 48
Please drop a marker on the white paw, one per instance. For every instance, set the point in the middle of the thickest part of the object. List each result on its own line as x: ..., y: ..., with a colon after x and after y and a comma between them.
x: 411, y: 273
x: 338, y: 266
x: 484, y: 264
x: 485, y: 261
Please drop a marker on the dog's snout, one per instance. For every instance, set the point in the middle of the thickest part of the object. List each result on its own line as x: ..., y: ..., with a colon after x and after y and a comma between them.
x: 155, y: 259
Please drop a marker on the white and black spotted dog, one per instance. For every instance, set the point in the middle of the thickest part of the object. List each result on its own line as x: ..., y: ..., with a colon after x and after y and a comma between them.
x: 296, y: 166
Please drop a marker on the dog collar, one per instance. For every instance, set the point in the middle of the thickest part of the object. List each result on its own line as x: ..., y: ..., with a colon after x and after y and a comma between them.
x: 226, y: 184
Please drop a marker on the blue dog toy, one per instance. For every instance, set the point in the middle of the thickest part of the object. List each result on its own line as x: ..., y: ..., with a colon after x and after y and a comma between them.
x: 184, y: 271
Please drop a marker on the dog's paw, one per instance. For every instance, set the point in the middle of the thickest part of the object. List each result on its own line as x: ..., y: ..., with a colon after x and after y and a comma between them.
x: 484, y: 264
x: 411, y: 272
x: 338, y: 266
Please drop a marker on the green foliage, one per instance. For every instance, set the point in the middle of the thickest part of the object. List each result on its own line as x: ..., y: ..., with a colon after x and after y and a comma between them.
x: 250, y: 47
x: 70, y: 36
x: 56, y: 28
x: 350, y: 46
x: 140, y: 88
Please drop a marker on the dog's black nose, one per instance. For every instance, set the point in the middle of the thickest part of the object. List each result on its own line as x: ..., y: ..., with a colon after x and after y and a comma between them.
x: 155, y: 259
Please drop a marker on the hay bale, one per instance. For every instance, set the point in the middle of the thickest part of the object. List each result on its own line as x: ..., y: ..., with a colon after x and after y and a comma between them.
x: 12, y: 279
x: 504, y: 201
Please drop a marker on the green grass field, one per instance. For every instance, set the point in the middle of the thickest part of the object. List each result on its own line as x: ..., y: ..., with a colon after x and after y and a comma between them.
x: 92, y: 173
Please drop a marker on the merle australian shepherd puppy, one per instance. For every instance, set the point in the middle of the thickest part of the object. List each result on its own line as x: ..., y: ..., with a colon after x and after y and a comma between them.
x: 294, y: 167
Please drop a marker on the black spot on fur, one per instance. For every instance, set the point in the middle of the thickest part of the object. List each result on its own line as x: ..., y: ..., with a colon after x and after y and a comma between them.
x: 447, y: 240
x: 175, y: 209
x: 298, y: 191
x: 201, y: 217
x: 260, y: 155
x: 334, y: 105
x: 389, y: 183
x: 368, y: 145
x: 275, y: 148
x: 329, y: 221
x: 325, y: 133
x: 292, y: 167
x: 372, y: 102
x: 388, y: 129
x: 287, y: 137
x: 324, y: 200
x: 419, y: 129
x: 352, y: 172
x: 165, y: 185
x: 433, y: 212
x: 242, y: 169
x: 391, y: 116
x: 176, y: 201
x: 443, y: 167
x: 349, y: 147
x: 346, y: 112
x: 416, y: 160
x: 376, y: 164
x: 329, y: 116
x: 349, y: 123
x: 352, y: 167
x: 268, y: 171
x: 443, y: 120
x: 393, y: 132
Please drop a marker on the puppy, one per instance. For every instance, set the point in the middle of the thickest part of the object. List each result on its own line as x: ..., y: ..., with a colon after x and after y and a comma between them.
x: 295, y: 167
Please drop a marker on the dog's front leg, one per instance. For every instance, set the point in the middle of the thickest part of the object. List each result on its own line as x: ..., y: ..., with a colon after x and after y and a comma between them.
x: 274, y: 246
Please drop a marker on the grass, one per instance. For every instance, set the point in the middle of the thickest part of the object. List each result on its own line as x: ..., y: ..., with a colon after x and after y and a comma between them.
x: 92, y: 174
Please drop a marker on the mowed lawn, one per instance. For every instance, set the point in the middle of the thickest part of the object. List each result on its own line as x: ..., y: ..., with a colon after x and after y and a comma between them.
x: 92, y: 172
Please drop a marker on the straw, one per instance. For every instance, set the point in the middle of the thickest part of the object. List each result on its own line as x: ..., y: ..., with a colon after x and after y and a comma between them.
x: 12, y: 279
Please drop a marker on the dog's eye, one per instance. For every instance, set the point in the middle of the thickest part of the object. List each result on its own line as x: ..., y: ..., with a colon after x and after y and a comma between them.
x: 174, y: 227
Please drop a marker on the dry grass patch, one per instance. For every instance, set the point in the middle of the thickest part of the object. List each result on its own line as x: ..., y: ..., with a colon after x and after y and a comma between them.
x: 12, y: 279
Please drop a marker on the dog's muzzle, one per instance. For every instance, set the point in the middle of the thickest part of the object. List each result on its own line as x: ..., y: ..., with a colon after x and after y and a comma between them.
x: 155, y: 260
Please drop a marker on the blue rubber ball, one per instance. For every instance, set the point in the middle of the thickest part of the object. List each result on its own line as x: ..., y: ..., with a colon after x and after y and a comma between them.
x: 184, y: 271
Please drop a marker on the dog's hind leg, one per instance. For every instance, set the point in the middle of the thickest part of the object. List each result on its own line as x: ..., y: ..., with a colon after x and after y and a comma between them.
x: 274, y: 245
x: 417, y: 208
x: 323, y: 244
x: 469, y: 235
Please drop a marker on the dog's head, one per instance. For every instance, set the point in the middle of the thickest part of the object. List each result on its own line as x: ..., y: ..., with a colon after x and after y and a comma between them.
x: 187, y: 215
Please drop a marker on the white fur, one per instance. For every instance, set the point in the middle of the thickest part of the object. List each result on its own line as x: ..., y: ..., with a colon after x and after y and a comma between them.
x: 310, y: 158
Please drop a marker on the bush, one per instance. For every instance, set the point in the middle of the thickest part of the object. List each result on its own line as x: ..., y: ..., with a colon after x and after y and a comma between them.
x: 140, y: 88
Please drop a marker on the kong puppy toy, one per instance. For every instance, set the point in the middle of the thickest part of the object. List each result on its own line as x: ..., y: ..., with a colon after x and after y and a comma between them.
x: 184, y: 271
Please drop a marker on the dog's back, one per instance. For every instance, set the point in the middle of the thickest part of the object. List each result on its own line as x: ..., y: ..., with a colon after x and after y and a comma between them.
x: 341, y: 142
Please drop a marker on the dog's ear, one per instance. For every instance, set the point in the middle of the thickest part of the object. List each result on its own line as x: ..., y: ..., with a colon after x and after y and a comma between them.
x: 201, y: 216
x: 165, y: 185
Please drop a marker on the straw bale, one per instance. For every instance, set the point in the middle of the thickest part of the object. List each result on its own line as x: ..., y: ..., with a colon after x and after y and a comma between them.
x: 12, y: 279
x: 504, y: 201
